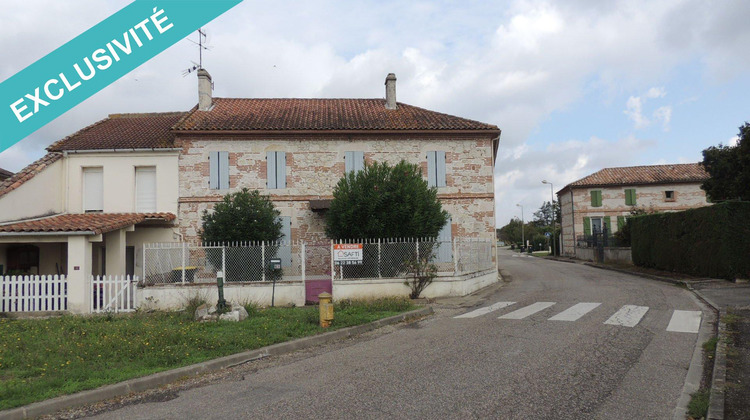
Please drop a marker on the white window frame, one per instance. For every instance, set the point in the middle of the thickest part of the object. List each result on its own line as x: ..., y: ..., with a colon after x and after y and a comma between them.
x: 139, y: 186
x: 88, y: 183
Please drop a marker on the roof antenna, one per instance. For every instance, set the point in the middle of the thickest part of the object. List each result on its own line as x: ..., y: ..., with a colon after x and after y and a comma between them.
x: 201, y: 46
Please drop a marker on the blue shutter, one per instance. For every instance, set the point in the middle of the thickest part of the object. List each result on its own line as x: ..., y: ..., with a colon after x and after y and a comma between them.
x: 349, y: 161
x: 285, y: 250
x: 271, y: 170
x: 440, y: 173
x: 445, y: 244
x: 213, y: 180
x: 431, y: 170
x: 223, y: 170
x: 359, y: 161
x: 280, y: 169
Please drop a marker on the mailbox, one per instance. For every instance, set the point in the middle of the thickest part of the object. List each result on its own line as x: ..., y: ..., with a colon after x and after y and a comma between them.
x: 275, y: 263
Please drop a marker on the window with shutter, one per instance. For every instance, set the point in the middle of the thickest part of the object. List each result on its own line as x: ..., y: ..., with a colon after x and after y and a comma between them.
x: 621, y: 222
x: 596, y: 198
x: 630, y: 197
x: 354, y: 161
x: 218, y: 170
x: 276, y: 170
x: 436, y: 169
x: 145, y: 189
x: 587, y: 226
x: 607, y: 224
x: 93, y: 189
x: 444, y: 252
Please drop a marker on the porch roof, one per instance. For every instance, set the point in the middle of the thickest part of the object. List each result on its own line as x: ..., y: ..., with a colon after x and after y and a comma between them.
x: 85, y: 223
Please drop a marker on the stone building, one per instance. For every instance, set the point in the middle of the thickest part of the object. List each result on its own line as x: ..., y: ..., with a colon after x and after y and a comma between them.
x: 605, y: 198
x: 296, y: 150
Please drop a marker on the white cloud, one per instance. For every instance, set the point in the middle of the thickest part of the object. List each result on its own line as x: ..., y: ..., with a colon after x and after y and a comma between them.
x: 656, y: 92
x: 634, y: 111
x: 663, y: 114
x: 733, y: 141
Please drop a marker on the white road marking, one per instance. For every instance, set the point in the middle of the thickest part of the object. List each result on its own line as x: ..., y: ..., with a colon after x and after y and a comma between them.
x: 575, y: 312
x: 685, y: 321
x: 485, y: 310
x: 628, y: 316
x: 527, y: 310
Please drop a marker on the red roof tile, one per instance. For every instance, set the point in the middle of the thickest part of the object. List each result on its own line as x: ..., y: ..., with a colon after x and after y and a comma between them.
x: 28, y: 172
x: 123, y: 131
x: 85, y: 222
x: 640, y: 175
x: 321, y: 114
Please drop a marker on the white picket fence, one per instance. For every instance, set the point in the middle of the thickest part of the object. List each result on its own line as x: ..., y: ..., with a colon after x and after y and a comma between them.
x: 113, y: 293
x: 33, y: 293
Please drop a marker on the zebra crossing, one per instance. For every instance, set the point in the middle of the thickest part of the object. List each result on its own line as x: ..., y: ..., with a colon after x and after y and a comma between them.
x: 626, y: 316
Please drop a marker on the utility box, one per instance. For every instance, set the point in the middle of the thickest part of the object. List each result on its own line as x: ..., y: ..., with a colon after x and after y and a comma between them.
x: 275, y: 264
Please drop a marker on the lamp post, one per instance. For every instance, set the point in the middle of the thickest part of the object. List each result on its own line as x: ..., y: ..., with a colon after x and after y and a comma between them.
x: 554, y: 217
x: 523, y: 238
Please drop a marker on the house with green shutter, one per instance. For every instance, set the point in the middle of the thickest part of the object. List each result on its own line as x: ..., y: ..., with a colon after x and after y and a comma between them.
x: 604, y: 199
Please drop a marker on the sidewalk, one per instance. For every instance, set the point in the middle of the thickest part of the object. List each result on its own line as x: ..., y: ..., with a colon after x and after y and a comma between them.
x: 730, y: 388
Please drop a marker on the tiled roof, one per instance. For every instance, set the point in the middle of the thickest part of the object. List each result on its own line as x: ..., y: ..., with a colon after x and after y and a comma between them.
x: 640, y: 175
x: 123, y: 131
x: 5, y: 174
x: 85, y: 222
x: 28, y: 172
x: 321, y: 114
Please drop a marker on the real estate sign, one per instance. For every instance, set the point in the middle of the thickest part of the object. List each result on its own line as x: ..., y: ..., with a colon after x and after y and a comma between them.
x: 347, y: 254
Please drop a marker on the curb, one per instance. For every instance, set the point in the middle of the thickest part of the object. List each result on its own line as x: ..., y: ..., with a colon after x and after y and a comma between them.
x: 718, y: 376
x: 162, y: 378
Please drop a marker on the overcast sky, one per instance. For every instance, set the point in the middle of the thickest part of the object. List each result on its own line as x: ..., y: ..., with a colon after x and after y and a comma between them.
x: 575, y: 86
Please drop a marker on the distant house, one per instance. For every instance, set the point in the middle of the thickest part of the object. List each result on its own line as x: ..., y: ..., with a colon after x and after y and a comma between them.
x: 5, y: 174
x: 605, y: 198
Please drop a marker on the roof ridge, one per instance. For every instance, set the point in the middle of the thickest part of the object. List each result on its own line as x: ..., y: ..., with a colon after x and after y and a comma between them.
x: 145, y: 114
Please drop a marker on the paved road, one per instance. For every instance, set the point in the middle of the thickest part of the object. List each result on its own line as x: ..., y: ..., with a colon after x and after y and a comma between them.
x: 607, y: 354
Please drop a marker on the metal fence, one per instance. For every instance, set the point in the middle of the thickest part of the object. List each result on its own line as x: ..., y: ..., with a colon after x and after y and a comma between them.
x: 599, y: 239
x: 240, y: 262
x: 251, y: 262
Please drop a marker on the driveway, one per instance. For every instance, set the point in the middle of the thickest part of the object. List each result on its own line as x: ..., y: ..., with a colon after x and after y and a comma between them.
x: 558, y: 340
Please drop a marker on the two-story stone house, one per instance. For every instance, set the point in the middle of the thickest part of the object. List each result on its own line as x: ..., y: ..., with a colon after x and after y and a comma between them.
x: 89, y: 205
x: 605, y: 198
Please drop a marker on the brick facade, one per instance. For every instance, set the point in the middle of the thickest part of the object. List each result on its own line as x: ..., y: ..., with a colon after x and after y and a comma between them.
x: 315, y: 163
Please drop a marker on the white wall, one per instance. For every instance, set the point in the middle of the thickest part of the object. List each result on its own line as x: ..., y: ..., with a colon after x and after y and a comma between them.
x: 41, y: 195
x: 175, y: 296
x: 441, y: 287
x: 119, y: 179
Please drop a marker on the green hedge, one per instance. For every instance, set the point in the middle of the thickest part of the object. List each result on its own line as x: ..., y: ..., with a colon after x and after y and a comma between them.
x: 711, y: 241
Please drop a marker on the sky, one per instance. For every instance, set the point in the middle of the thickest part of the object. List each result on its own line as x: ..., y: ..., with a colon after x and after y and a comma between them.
x: 575, y: 86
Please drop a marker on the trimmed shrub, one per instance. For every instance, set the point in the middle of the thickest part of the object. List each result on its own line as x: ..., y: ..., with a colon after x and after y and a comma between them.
x: 711, y: 241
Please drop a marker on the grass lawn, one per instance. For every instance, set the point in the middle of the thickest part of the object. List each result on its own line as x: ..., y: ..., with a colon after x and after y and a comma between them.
x: 44, y: 358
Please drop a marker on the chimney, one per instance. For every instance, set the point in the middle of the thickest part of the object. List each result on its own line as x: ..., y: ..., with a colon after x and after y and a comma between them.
x: 205, y: 86
x: 390, y: 91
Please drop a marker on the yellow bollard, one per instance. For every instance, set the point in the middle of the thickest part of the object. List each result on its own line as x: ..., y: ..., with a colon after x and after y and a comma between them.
x: 325, y: 301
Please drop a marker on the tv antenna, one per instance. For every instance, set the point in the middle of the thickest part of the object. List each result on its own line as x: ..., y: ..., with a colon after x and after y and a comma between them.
x: 201, y: 46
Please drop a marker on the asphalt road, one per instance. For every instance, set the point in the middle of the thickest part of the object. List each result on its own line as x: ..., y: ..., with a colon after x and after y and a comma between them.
x: 480, y: 367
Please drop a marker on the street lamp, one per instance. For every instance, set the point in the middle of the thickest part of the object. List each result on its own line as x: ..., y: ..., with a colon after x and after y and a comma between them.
x: 554, y: 218
x: 523, y: 239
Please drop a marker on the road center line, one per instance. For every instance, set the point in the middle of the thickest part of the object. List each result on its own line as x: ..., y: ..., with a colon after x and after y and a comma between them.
x: 527, y: 310
x: 485, y: 310
x: 575, y: 312
x: 628, y: 316
x: 685, y: 321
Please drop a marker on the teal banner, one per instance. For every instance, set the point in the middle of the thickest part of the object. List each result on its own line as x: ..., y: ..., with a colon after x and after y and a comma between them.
x: 93, y: 60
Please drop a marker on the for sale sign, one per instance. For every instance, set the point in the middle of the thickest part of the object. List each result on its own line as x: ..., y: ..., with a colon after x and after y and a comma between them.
x: 347, y: 254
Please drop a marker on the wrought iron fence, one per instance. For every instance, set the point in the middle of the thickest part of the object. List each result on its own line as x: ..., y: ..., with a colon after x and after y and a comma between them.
x: 603, y: 238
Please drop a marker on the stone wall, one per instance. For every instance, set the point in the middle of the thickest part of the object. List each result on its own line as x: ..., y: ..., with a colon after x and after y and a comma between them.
x: 315, y: 163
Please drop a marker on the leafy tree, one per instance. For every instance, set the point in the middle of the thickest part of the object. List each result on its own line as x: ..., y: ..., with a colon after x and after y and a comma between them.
x: 383, y: 201
x: 511, y: 233
x: 239, y: 217
x: 729, y: 169
x: 545, y: 215
x: 242, y: 216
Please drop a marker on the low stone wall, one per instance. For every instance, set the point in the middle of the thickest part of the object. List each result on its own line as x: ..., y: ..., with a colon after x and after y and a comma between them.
x: 441, y: 287
x: 619, y: 255
x: 175, y: 296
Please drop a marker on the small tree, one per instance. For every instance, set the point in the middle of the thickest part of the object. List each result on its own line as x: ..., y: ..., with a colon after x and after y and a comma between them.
x: 383, y: 201
x: 244, y: 216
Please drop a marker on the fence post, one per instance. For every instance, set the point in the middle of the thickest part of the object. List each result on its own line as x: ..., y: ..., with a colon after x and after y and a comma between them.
x: 333, y: 266
x: 144, y: 261
x: 224, y: 260
x: 302, y: 255
x: 263, y: 260
x: 455, y: 256
x: 183, y: 262
x: 380, y: 273
x: 417, y: 250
